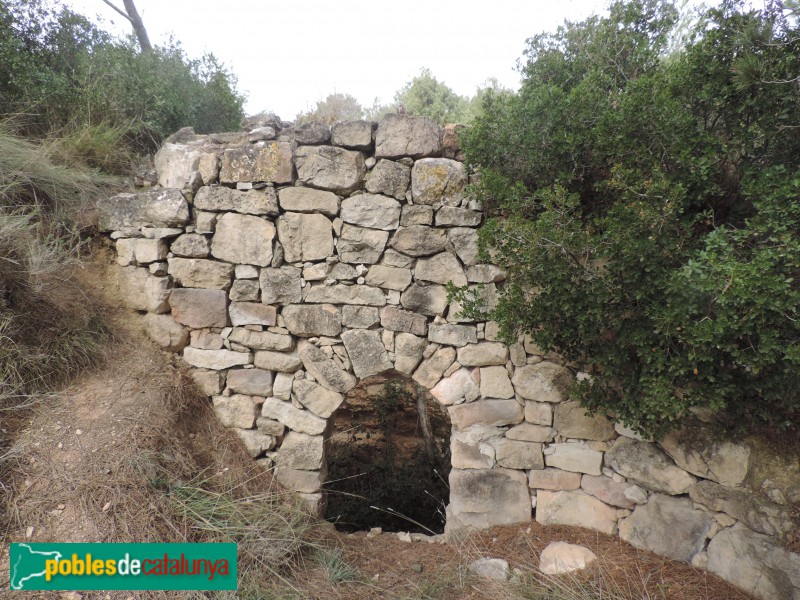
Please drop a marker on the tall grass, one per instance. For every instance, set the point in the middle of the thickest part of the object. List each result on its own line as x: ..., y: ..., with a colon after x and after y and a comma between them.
x: 45, y: 336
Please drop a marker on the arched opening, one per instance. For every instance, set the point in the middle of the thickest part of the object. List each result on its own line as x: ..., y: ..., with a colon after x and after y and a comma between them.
x: 388, y: 458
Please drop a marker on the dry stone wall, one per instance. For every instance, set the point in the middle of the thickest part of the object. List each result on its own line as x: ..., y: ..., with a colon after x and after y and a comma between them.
x: 284, y: 264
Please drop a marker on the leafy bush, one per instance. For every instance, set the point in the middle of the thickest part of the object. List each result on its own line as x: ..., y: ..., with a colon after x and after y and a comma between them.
x: 64, y: 74
x: 645, y: 207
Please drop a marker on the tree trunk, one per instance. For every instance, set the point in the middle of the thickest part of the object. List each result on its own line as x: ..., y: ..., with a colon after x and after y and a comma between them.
x: 425, y: 425
x: 132, y: 15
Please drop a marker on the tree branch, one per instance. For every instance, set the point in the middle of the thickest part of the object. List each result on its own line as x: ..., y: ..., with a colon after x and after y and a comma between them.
x: 120, y: 11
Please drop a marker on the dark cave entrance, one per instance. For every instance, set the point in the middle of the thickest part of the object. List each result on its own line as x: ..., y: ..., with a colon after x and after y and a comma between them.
x: 388, y: 457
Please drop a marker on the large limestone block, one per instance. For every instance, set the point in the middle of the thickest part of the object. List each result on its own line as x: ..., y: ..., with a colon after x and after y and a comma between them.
x: 388, y: 278
x: 484, y: 354
x: 304, y: 482
x: 252, y: 313
x: 360, y: 317
x: 262, y: 340
x: 243, y: 239
x: 155, y: 208
x: 441, y: 268
x: 478, y: 455
x: 448, y: 216
x: 305, y: 237
x: 755, y: 563
x: 277, y: 361
x: 215, y: 359
x: 529, y: 432
x: 646, y: 464
x: 572, y: 421
x: 575, y: 508
x: 561, y: 557
x: 403, y: 135
x: 294, y: 418
x: 200, y: 273
x: 609, y: 491
x: 554, y: 479
x: 301, y: 451
x: 756, y: 512
x: 389, y: 178
x: 255, y: 382
x: 354, y: 135
x: 453, y: 335
x: 371, y: 210
x: 325, y: 371
x: 396, y: 319
x: 142, y: 291
x: 223, y: 199
x: 438, y: 181
x: 198, y: 308
x: 346, y: 294
x: 312, y: 132
x: 495, y: 383
x: 209, y: 383
x: 574, y: 457
x: 366, y: 352
x: 280, y: 286
x: 191, y: 245
x: 408, y: 349
x: 256, y: 442
x: 696, y: 449
x: 488, y: 497
x: 496, y: 413
x: 166, y: 332
x: 330, y: 168
x: 361, y: 245
x: 461, y: 385
x: 539, y: 413
x: 419, y: 240
x: 175, y: 162
x: 543, y: 382
x: 320, y: 401
x: 309, y: 200
x: 667, y: 526
x: 515, y: 454
x: 416, y: 214
x: 264, y: 161
x: 430, y: 300
x: 431, y: 370
x: 306, y: 320
x: 236, y: 410
x: 465, y: 243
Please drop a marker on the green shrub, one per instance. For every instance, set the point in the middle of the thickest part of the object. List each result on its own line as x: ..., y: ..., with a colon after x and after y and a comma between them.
x: 646, y: 210
x: 64, y: 74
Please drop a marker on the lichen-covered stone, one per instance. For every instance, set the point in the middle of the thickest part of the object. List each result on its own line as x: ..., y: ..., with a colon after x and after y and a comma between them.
x: 419, y: 240
x: 309, y: 320
x: 543, y: 382
x: 438, y: 181
x: 354, y: 135
x: 280, y: 286
x: 389, y: 178
x: 429, y: 300
x: 264, y: 161
x: 361, y: 245
x: 132, y: 212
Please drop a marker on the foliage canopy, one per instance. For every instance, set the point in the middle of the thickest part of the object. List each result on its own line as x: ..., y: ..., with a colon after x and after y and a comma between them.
x: 645, y: 205
x: 62, y: 73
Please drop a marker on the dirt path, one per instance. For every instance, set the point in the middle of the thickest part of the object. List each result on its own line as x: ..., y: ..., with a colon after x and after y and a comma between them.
x: 87, y: 468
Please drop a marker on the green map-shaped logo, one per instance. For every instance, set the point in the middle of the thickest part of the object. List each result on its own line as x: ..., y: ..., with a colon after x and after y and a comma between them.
x: 28, y: 564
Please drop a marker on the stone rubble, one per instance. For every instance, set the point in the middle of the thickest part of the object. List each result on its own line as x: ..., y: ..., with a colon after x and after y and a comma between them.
x: 284, y: 264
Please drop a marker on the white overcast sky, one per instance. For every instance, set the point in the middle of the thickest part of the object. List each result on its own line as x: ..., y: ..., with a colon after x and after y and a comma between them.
x: 289, y: 54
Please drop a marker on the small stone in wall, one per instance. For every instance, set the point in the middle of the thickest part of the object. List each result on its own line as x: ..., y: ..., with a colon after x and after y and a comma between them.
x: 301, y: 451
x: 432, y: 369
x: 495, y: 383
x: 251, y: 313
x: 514, y: 454
x: 223, y: 199
x: 205, y: 339
x: 166, y: 332
x: 389, y: 178
x: 295, y: 419
x: 554, y: 479
x: 441, y: 268
x: 255, y: 382
x: 483, y: 355
x: 308, y: 200
x: 209, y: 383
x: 236, y: 410
x: 465, y: 242
x: 419, y: 240
x: 408, y: 350
x: 325, y: 371
x: 366, y: 352
x: 304, y: 237
x: 200, y: 273
x: 646, y: 464
x: 573, y: 421
x: 463, y: 384
x: 430, y: 300
x: 529, y: 432
x: 485, y: 412
x: 216, y: 359
x: 574, y: 457
x: 142, y: 291
x: 544, y: 382
x: 330, y: 168
x: 313, y: 320
x: 280, y: 286
x: 371, y: 210
x: 355, y: 135
x: 561, y: 557
x: 361, y: 245
x: 277, y: 361
x: 359, y: 317
x: 538, y: 413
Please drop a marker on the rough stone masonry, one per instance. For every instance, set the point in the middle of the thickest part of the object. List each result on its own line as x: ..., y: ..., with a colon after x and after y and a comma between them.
x: 284, y: 264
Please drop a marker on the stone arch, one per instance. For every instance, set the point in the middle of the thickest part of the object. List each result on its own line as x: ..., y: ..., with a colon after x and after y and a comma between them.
x: 387, y: 452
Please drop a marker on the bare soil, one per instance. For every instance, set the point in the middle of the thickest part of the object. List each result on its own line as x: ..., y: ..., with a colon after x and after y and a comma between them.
x: 83, y: 468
